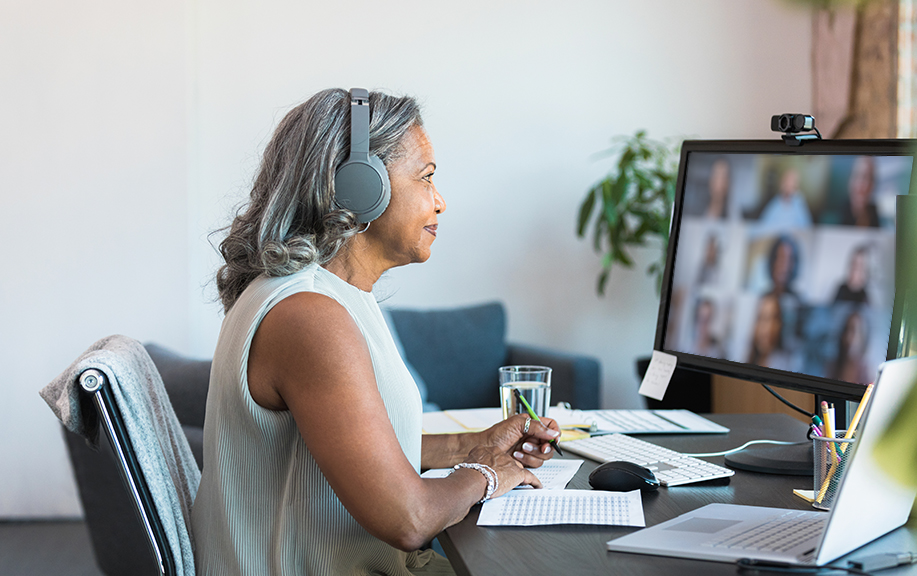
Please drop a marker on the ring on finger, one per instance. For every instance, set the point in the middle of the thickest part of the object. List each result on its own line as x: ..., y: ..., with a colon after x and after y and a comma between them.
x: 528, y: 422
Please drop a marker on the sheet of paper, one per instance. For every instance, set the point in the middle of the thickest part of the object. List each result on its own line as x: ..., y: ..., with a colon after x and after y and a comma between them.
x: 440, y: 423
x: 548, y: 507
x: 570, y: 417
x: 554, y: 474
x: 658, y: 375
x: 476, y: 419
x: 458, y: 421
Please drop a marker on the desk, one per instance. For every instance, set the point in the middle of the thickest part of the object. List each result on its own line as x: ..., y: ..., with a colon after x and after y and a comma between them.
x: 573, y: 550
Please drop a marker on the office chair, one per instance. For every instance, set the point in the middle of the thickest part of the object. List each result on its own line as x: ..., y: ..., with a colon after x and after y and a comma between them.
x: 114, y: 390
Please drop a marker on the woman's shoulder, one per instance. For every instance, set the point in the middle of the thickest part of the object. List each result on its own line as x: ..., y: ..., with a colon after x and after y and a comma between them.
x: 314, y: 307
x: 301, y: 333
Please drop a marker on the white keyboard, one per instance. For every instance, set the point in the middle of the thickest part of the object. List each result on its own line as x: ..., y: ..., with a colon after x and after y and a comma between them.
x: 670, y: 467
x: 652, y: 422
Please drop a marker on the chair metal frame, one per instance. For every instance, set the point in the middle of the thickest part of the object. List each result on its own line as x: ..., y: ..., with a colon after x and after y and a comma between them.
x: 95, y: 384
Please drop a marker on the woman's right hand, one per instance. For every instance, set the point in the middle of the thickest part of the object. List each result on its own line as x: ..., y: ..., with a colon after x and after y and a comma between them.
x: 510, y: 471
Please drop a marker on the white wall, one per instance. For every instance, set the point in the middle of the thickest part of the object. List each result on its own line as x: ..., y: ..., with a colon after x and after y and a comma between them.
x: 130, y: 132
x: 94, y: 208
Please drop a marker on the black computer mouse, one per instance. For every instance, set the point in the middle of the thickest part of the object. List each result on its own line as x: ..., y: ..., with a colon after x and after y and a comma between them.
x: 623, y: 477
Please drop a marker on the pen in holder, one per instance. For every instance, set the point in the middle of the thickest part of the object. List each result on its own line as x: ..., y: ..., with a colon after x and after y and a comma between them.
x: 830, y: 456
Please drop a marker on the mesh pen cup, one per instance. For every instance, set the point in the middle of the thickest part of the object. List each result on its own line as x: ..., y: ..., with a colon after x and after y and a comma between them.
x: 830, y: 457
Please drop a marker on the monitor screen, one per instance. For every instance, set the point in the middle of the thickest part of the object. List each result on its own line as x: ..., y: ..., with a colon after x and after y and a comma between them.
x: 781, y: 261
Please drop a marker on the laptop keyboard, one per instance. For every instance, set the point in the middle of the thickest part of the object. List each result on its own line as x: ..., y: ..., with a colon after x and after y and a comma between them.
x: 780, y: 534
x: 670, y: 467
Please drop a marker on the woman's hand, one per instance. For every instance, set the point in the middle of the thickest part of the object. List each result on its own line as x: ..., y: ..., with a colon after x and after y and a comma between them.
x: 510, y: 471
x: 530, y: 448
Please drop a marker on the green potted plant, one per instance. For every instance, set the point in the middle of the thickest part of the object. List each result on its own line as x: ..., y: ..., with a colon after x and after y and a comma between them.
x: 633, y: 204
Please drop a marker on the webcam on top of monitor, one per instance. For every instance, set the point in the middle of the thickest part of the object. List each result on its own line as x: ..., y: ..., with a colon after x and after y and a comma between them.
x: 792, y: 124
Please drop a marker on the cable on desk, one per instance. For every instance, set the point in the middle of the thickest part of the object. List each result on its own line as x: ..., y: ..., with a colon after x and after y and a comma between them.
x: 744, y: 446
x: 861, y: 566
x: 752, y: 565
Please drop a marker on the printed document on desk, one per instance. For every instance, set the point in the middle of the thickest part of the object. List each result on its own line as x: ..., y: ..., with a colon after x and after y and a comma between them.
x: 554, y: 474
x: 459, y: 421
x: 551, y: 507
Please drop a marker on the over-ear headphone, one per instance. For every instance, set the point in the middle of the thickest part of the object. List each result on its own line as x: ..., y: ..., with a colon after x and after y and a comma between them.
x: 361, y: 183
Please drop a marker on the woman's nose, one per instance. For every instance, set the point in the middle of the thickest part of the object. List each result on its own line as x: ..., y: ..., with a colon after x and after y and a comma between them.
x: 439, y: 205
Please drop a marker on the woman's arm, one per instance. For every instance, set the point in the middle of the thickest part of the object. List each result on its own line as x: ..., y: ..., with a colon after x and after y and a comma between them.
x: 309, y: 357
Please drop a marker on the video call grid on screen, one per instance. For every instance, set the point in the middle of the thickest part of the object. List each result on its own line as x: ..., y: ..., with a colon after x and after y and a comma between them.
x: 786, y: 261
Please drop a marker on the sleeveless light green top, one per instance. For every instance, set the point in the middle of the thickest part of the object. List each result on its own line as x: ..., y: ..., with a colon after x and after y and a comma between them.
x: 263, y: 506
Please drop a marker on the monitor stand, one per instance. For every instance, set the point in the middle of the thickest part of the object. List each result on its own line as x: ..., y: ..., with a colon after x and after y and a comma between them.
x: 792, y: 459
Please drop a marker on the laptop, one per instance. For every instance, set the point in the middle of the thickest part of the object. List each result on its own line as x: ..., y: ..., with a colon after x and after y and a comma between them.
x: 868, y: 505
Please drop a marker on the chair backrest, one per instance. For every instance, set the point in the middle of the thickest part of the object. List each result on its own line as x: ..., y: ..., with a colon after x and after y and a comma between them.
x: 94, y: 383
x: 115, y: 386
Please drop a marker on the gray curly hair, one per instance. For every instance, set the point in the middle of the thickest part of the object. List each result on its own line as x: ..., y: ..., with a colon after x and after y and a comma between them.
x: 290, y: 220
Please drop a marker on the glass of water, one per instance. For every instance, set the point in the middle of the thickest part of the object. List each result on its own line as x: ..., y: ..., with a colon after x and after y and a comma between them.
x: 533, y: 384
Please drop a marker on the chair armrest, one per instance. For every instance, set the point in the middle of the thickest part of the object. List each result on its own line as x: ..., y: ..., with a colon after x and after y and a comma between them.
x: 574, y: 378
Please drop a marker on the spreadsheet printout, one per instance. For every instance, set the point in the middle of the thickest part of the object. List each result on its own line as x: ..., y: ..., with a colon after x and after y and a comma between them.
x: 554, y: 474
x: 548, y: 507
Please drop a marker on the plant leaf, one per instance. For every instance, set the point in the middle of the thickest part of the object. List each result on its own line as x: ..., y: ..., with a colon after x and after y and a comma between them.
x: 585, y: 210
x: 637, y: 200
x: 603, y: 279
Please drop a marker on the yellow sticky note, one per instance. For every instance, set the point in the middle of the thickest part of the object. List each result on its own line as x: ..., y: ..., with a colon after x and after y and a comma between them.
x: 807, y: 495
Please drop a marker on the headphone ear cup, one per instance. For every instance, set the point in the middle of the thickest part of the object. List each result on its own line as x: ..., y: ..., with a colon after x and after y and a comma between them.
x: 363, y: 187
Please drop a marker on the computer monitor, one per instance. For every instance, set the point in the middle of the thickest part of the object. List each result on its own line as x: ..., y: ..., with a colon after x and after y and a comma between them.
x: 780, y: 264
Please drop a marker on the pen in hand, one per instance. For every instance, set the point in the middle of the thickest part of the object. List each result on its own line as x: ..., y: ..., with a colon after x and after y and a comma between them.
x: 535, y: 417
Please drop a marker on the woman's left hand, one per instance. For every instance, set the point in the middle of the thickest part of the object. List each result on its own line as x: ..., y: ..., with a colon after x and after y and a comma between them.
x: 531, y: 448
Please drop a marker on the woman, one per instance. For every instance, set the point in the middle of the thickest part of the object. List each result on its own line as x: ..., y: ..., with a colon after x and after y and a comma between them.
x: 767, y: 336
x: 860, y: 210
x: 850, y: 363
x: 783, y: 266
x: 853, y: 289
x: 718, y: 188
x: 312, y: 440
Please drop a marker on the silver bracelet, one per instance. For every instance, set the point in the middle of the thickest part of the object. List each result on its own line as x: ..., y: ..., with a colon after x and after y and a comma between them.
x: 492, y: 481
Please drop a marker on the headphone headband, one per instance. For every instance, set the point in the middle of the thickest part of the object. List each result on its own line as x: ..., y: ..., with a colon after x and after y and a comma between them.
x: 359, y: 124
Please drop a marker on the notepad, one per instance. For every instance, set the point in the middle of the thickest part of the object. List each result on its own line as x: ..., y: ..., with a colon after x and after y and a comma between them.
x: 550, y: 507
x: 554, y: 474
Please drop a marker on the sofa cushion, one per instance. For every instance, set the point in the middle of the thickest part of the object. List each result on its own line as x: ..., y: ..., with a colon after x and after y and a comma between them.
x: 418, y: 379
x: 456, y: 351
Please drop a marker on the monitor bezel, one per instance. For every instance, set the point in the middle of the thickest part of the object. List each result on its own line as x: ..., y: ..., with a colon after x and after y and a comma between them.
x: 783, y: 379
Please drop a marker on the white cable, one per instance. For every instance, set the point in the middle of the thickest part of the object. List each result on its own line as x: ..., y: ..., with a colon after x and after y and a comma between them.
x: 744, y: 446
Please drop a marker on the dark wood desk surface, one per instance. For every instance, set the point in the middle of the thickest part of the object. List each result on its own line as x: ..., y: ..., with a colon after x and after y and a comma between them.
x: 569, y: 550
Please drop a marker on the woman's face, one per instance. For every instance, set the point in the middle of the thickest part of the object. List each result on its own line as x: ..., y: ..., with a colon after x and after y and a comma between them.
x: 407, y: 228
x: 704, y: 320
x: 853, y: 338
x: 861, y: 183
x: 719, y: 180
x: 783, y: 265
x: 858, y: 274
x: 767, y: 325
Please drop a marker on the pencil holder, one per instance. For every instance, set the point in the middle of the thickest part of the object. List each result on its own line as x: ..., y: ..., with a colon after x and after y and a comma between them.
x: 831, y: 455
